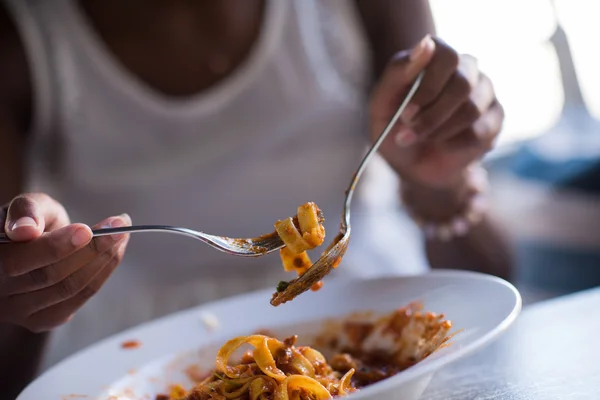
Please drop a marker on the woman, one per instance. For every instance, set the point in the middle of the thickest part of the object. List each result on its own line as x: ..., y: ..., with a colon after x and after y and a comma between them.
x: 222, y: 116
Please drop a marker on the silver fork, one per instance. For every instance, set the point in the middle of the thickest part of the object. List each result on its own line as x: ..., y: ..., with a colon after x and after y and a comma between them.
x: 330, y: 259
x: 251, y: 247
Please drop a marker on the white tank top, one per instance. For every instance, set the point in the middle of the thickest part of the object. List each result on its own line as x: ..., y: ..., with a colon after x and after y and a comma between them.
x: 288, y: 126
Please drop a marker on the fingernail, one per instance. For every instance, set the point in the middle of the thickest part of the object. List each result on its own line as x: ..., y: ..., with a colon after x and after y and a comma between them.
x: 80, y: 237
x: 125, y: 217
x: 425, y: 44
x: 405, y: 137
x: 120, y: 221
x: 24, y: 222
x: 409, y: 112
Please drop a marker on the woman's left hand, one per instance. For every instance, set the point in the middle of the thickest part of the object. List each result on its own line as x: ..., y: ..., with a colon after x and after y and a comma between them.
x: 451, y: 122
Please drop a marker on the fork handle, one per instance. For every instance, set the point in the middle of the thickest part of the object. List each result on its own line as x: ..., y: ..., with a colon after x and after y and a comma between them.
x: 124, y: 229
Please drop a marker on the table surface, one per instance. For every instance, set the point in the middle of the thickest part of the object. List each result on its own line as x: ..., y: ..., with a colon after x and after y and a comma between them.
x: 550, y: 352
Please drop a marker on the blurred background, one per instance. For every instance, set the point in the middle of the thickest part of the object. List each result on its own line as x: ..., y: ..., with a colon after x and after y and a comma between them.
x: 546, y: 168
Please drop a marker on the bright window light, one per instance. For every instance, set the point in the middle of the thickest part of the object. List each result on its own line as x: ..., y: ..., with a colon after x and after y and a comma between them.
x: 580, y: 21
x: 510, y: 38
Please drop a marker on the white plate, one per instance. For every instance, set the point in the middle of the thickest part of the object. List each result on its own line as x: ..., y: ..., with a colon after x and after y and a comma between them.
x: 481, y: 305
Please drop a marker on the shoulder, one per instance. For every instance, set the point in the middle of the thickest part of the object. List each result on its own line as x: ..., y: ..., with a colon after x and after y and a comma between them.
x: 15, y: 84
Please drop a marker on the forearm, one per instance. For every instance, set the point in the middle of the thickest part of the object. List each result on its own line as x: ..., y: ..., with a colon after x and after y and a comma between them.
x: 20, y: 358
x: 484, y: 247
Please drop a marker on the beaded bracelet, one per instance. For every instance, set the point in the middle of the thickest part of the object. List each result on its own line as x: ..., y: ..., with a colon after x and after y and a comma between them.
x: 472, y: 214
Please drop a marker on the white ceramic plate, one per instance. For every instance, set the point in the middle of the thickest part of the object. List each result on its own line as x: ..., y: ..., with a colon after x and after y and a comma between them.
x: 481, y: 305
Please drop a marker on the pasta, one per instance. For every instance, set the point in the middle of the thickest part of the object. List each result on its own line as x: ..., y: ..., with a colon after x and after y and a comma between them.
x: 273, y: 370
x: 280, y: 370
x: 303, y: 233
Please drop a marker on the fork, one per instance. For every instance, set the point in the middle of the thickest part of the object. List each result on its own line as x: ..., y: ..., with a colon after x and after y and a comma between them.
x: 250, y: 247
x: 330, y: 259
x: 243, y: 247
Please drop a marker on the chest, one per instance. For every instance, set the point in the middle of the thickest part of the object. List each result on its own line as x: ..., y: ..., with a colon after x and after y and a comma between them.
x: 176, y: 48
x: 301, y: 91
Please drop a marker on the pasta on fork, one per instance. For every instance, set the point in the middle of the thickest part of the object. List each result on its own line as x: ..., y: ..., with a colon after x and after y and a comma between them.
x: 305, y: 232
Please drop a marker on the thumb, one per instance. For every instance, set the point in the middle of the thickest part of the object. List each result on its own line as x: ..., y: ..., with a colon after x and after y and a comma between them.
x: 399, y: 76
x: 420, y: 56
x: 24, y: 220
x: 406, y: 65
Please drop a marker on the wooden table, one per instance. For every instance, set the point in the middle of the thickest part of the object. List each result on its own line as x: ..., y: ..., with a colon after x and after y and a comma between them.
x: 551, y: 352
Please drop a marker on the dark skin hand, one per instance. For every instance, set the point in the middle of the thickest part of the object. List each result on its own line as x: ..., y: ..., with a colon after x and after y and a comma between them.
x: 453, y: 121
x: 180, y: 48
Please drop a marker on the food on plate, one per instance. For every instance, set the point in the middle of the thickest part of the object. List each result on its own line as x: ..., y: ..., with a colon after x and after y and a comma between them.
x: 131, y: 344
x: 305, y: 232
x: 280, y: 370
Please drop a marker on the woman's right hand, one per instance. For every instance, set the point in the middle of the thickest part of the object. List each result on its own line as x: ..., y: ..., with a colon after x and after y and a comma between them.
x: 53, y: 267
